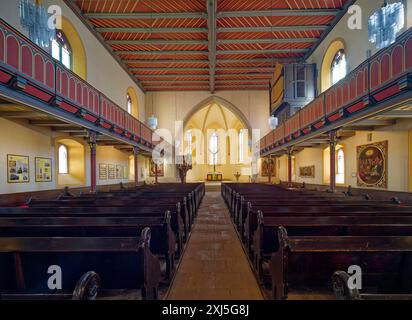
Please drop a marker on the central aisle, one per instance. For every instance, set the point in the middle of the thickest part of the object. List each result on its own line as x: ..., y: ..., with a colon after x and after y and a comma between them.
x: 214, y: 265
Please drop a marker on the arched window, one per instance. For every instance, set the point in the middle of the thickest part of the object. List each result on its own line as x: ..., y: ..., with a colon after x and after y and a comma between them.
x: 129, y: 104
x: 189, y: 142
x: 61, y: 49
x: 213, y: 148
x: 241, y: 146
x: 339, y: 67
x: 340, y: 167
x: 63, y: 160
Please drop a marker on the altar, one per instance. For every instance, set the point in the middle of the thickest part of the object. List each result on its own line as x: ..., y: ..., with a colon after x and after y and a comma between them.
x: 215, y: 176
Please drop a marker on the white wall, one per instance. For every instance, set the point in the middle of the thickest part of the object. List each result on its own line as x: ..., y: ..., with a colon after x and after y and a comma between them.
x: 103, y: 72
x: 357, y: 41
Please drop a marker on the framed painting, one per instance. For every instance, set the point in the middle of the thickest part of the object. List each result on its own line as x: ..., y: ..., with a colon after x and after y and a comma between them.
x: 268, y: 164
x: 43, y: 169
x: 103, y: 171
x: 111, y: 171
x: 372, y: 165
x: 307, y: 172
x: 160, y: 169
x: 18, y: 170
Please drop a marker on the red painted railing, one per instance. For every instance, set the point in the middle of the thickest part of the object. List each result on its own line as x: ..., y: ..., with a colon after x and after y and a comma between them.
x: 384, y: 75
x: 26, y: 67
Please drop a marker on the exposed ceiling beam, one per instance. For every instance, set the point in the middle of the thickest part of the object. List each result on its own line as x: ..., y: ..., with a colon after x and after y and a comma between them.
x: 146, y: 15
x: 256, y: 60
x: 272, y: 29
x: 68, y: 129
x: 162, y: 52
x: 142, y: 76
x: 374, y: 123
x: 245, y: 68
x: 166, y: 70
x: 266, y: 40
x: 398, y: 114
x: 278, y: 13
x: 240, y: 85
x: 211, y: 22
x: 171, y: 81
x: 150, y: 30
x: 252, y: 74
x: 270, y: 51
x: 259, y: 60
x: 48, y: 123
x: 157, y: 42
x: 20, y: 114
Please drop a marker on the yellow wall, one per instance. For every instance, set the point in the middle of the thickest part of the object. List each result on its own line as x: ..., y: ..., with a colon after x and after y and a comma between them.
x: 17, y: 138
x: 77, y: 165
x: 334, y: 47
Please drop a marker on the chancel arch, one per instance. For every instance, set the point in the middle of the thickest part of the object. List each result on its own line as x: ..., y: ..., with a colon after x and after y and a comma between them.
x: 215, y: 128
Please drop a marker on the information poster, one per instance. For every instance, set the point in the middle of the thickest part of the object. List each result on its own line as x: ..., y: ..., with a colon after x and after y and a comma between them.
x: 112, y: 171
x: 43, y: 167
x: 18, y: 169
x: 102, y: 171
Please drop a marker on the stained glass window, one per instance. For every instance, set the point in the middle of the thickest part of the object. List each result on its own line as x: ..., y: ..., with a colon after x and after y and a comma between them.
x: 339, y: 67
x: 61, y: 49
x: 63, y: 160
x: 129, y: 104
x: 385, y: 24
x: 213, y: 148
x: 241, y: 146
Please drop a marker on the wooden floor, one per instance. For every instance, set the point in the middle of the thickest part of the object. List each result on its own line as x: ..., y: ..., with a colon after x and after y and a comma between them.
x: 214, y: 265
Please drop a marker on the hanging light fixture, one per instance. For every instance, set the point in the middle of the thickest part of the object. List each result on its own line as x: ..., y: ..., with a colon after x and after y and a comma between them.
x: 273, y: 122
x: 34, y: 19
x: 152, y: 120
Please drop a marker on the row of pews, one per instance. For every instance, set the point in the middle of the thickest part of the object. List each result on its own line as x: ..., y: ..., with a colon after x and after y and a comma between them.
x: 124, y: 243
x: 303, y: 242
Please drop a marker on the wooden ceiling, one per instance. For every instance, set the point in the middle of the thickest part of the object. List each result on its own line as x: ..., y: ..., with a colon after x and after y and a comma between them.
x: 208, y: 44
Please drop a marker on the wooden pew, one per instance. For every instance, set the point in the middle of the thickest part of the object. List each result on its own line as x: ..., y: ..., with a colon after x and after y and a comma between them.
x: 265, y: 238
x: 121, y: 262
x: 309, y: 262
x: 87, y: 288
x: 251, y: 220
x: 162, y: 241
x: 103, y: 212
x: 340, y: 280
x: 180, y: 219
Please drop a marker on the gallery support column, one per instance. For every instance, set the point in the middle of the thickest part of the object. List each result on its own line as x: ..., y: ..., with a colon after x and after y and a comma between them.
x: 332, y: 149
x: 93, y: 166
x: 289, y: 153
x: 136, y: 166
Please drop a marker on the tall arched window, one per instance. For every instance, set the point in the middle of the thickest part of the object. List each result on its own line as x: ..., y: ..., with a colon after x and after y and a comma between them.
x: 338, y: 67
x: 61, y: 49
x: 213, y: 148
x: 241, y: 146
x: 129, y: 104
x: 340, y: 167
x: 189, y: 142
x: 63, y: 160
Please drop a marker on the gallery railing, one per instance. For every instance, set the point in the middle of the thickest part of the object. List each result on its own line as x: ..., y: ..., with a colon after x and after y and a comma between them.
x: 26, y: 67
x: 384, y: 75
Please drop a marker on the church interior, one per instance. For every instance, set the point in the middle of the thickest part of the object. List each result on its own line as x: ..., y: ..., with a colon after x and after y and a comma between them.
x: 205, y: 150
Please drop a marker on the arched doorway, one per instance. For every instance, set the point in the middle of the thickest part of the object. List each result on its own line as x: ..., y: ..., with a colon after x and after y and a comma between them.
x: 216, y: 135
x: 70, y: 164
